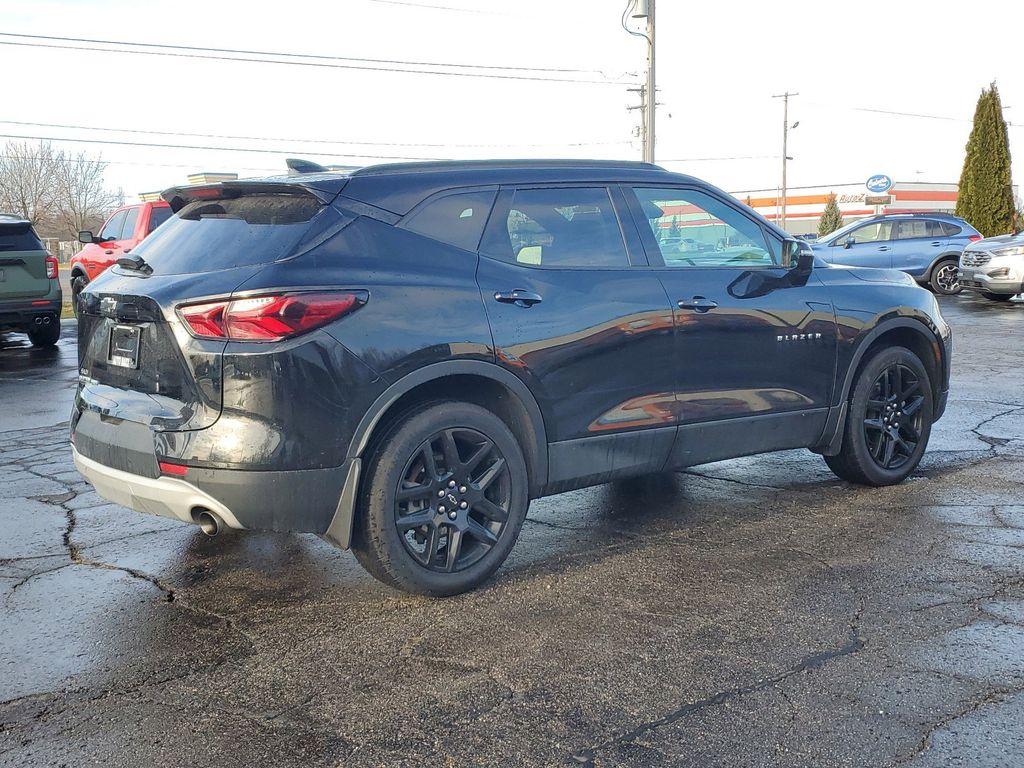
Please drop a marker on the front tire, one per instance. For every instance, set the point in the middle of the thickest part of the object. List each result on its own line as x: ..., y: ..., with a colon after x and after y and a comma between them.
x: 443, y: 500
x: 945, y: 279
x: 998, y: 296
x: 78, y: 283
x: 888, y: 420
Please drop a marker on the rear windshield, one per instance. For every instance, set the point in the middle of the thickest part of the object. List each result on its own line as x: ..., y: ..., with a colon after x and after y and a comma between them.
x: 18, y: 237
x: 208, y: 235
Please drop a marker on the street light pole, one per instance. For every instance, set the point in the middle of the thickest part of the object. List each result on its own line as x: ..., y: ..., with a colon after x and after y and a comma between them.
x: 785, y: 149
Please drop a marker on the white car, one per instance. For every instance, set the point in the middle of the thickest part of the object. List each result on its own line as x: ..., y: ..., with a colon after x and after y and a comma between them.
x: 994, y: 267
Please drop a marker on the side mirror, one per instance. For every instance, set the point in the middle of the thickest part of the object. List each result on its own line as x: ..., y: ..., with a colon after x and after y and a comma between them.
x: 848, y: 242
x: 86, y: 237
x: 799, y: 256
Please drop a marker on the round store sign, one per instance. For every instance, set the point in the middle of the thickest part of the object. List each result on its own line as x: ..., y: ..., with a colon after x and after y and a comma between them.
x: 879, y: 183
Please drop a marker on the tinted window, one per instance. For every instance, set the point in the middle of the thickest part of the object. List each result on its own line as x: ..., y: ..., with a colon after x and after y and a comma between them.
x: 693, y: 229
x: 870, y: 233
x: 158, y: 216
x: 455, y: 219
x: 112, y: 229
x: 945, y: 229
x: 570, y: 227
x: 18, y: 237
x: 220, y: 234
x: 911, y: 229
x: 128, y: 230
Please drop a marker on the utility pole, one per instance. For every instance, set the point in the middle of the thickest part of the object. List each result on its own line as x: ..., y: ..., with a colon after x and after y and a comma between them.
x: 644, y: 9
x: 785, y: 148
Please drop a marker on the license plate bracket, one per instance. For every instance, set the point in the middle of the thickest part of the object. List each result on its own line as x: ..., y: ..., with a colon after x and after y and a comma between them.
x: 124, y: 346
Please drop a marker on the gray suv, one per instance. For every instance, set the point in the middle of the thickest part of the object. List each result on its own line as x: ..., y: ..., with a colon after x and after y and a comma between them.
x: 30, y: 296
x: 994, y: 267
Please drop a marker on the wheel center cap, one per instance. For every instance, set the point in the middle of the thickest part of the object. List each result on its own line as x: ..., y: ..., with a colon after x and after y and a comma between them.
x: 452, y: 499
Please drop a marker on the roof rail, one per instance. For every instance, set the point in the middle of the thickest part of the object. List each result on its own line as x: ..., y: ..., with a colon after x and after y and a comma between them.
x: 481, y: 165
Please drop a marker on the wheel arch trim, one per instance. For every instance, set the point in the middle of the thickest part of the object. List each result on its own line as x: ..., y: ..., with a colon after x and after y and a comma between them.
x: 832, y: 435
x: 339, y: 531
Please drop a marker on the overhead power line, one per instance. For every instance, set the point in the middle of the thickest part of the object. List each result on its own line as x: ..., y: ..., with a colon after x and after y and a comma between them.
x: 109, y: 129
x: 212, y: 149
x: 487, y: 71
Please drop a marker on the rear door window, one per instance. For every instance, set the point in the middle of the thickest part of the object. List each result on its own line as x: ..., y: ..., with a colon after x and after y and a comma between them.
x: 910, y: 230
x: 130, y: 220
x: 112, y: 229
x: 456, y: 219
x: 208, y: 235
x: 558, y: 227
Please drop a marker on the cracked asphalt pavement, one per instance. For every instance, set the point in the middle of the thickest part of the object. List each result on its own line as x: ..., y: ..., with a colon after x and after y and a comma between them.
x: 755, y: 612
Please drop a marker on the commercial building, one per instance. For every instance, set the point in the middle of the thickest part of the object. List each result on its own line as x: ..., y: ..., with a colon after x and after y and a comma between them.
x: 804, y: 205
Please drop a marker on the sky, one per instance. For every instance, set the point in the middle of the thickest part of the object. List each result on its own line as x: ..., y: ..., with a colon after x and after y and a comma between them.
x: 719, y: 64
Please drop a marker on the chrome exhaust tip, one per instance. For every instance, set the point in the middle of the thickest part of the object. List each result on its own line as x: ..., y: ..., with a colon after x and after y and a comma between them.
x: 38, y: 321
x: 207, y: 521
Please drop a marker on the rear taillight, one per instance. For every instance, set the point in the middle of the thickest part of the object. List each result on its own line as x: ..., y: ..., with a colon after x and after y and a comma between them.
x: 51, y: 267
x: 268, y: 318
x: 974, y: 238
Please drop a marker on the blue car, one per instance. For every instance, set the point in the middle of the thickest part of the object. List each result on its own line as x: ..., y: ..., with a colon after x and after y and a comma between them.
x: 927, y: 246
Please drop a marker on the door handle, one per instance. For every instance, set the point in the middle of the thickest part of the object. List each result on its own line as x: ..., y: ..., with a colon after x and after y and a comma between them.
x: 698, y: 304
x: 937, y: 243
x: 883, y: 248
x: 108, y: 252
x: 518, y: 297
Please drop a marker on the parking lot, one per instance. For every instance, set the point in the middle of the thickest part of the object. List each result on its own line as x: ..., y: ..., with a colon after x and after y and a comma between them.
x: 750, y: 612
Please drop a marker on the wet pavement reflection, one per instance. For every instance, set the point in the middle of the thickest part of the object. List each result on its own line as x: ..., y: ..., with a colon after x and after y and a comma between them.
x: 755, y: 612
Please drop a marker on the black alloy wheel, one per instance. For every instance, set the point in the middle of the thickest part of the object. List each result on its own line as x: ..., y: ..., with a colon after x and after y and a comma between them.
x: 888, y: 419
x: 892, y: 422
x: 452, y: 502
x: 443, y: 499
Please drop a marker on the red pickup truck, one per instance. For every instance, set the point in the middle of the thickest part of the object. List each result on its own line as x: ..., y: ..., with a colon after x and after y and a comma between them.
x: 127, y: 227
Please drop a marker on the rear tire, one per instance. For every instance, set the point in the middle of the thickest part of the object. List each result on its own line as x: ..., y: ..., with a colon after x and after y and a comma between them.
x: 998, y: 296
x: 888, y: 420
x: 945, y: 279
x: 443, y: 500
x: 78, y: 283
x: 45, y: 335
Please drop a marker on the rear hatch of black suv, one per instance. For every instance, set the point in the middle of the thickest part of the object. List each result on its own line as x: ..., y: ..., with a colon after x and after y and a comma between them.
x: 140, y: 367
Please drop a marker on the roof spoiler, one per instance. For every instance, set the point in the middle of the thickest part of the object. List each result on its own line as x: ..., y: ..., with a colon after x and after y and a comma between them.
x: 297, y: 165
x: 179, y: 197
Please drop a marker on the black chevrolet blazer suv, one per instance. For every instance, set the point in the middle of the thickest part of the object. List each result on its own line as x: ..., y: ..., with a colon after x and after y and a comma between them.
x: 400, y: 359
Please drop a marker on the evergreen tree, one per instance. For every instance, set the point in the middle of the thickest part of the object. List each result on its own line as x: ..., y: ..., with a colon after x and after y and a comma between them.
x: 985, y: 198
x: 831, y: 219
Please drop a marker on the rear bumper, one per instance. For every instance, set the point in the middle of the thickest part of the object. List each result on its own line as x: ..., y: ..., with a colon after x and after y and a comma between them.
x: 316, y: 501
x: 163, y: 496
x: 23, y: 313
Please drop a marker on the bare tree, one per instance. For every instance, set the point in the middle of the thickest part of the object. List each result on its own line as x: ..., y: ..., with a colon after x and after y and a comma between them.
x: 28, y: 180
x: 82, y: 198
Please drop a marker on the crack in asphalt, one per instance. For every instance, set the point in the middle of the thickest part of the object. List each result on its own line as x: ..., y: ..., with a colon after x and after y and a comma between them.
x: 854, y: 644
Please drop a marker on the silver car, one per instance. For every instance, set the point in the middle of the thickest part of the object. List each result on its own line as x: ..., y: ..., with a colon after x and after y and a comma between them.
x: 994, y: 267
